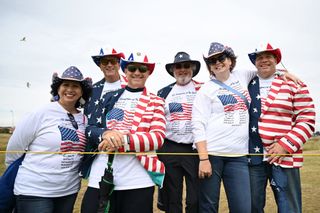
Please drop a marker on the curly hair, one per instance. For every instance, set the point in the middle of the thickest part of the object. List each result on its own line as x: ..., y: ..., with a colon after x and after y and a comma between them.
x: 86, y: 90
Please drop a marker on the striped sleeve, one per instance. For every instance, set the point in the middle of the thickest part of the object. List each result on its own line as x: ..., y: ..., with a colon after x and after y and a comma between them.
x: 151, y: 131
x: 303, y: 121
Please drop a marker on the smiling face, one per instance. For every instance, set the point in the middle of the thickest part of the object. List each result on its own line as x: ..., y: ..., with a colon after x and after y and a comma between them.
x: 182, y: 72
x: 266, y: 64
x: 69, y: 93
x: 110, y: 66
x: 219, y: 64
x: 137, y: 75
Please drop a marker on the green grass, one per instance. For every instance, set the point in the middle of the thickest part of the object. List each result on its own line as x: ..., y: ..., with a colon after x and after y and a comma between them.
x: 309, y: 179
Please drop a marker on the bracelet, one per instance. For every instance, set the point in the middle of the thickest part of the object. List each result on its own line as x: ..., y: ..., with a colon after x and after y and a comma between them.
x: 204, y: 159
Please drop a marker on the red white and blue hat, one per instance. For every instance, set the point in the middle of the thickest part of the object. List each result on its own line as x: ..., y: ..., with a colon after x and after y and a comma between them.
x: 218, y: 48
x: 181, y: 57
x: 137, y: 57
x: 108, y: 51
x: 265, y: 48
x: 72, y: 74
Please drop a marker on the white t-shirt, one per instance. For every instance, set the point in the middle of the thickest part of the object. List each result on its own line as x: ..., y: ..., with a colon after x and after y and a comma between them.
x: 49, y: 129
x: 221, y: 117
x: 265, y: 86
x: 178, y: 110
x: 108, y: 87
x: 127, y: 170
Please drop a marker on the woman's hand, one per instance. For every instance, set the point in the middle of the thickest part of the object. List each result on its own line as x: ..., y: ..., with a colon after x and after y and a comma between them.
x: 111, y: 141
x: 205, y: 169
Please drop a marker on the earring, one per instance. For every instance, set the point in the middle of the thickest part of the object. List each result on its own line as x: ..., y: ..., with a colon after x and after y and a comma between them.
x: 82, y: 101
x: 55, y: 98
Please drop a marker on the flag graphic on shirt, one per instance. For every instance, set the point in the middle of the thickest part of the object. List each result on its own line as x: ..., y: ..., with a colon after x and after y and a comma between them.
x: 72, y: 140
x: 232, y: 102
x: 180, y: 111
x: 119, y: 119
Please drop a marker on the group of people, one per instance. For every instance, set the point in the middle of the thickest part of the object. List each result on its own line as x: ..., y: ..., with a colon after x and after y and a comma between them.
x: 243, y: 128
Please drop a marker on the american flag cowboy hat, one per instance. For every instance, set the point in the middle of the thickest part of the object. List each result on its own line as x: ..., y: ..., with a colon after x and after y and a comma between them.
x: 265, y: 48
x: 218, y: 48
x: 108, y: 51
x: 137, y: 57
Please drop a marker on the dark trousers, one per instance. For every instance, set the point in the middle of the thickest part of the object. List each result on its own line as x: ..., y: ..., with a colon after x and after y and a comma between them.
x: 177, y: 168
x: 285, y: 184
x: 122, y: 201
x: 90, y: 201
x: 31, y: 204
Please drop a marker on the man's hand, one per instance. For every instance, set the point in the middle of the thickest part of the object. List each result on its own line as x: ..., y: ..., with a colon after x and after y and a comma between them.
x: 289, y: 76
x: 111, y: 141
x: 275, y: 151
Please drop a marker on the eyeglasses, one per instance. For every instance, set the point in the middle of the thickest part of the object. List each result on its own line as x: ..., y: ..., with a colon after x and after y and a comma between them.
x: 182, y: 65
x: 106, y: 61
x: 141, y: 68
x: 220, y: 58
x: 73, y: 121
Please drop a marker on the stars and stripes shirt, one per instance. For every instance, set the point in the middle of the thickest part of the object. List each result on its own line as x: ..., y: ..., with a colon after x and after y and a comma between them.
x: 178, y: 111
x: 51, y: 173
x: 72, y: 140
x: 99, y: 89
x: 288, y: 118
x: 147, y: 133
x: 221, y: 117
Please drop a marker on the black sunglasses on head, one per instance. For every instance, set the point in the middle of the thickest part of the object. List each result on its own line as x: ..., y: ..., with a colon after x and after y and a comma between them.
x: 73, y: 121
x: 220, y: 58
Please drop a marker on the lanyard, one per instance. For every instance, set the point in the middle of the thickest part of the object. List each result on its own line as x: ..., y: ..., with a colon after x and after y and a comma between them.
x: 232, y: 90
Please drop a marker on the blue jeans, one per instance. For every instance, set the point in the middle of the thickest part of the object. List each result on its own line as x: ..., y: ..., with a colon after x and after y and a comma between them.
x: 31, y: 204
x: 234, y: 173
x: 285, y: 184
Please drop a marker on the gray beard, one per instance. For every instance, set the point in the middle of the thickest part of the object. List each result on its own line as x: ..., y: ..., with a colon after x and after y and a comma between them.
x: 183, y: 80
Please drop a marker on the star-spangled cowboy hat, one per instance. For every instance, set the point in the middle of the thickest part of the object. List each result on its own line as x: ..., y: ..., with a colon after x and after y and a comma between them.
x: 181, y: 57
x: 137, y: 57
x: 217, y: 48
x: 108, y: 51
x: 265, y: 48
x: 71, y: 74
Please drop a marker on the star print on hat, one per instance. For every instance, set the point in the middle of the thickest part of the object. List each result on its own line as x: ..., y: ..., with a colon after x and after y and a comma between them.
x: 181, y: 57
x: 108, y: 51
x: 137, y: 57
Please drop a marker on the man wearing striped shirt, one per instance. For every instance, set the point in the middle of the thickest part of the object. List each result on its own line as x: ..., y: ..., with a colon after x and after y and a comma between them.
x: 282, y: 119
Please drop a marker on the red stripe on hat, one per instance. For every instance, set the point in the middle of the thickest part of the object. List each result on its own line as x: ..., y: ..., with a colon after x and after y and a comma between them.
x: 145, y: 59
x: 269, y: 47
x: 114, y: 51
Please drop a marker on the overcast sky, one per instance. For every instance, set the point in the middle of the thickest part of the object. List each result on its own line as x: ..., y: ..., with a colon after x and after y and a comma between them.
x: 62, y: 33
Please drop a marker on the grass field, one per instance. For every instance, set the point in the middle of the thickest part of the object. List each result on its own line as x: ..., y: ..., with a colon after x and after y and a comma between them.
x: 309, y: 178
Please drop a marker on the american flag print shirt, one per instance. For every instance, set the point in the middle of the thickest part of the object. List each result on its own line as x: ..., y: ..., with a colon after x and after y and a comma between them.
x: 234, y: 107
x: 121, y: 116
x: 178, y: 110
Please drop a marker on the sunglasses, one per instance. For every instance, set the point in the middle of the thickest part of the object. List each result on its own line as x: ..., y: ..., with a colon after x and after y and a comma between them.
x: 73, y: 121
x: 182, y: 65
x: 106, y: 61
x: 141, y: 68
x: 220, y: 58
